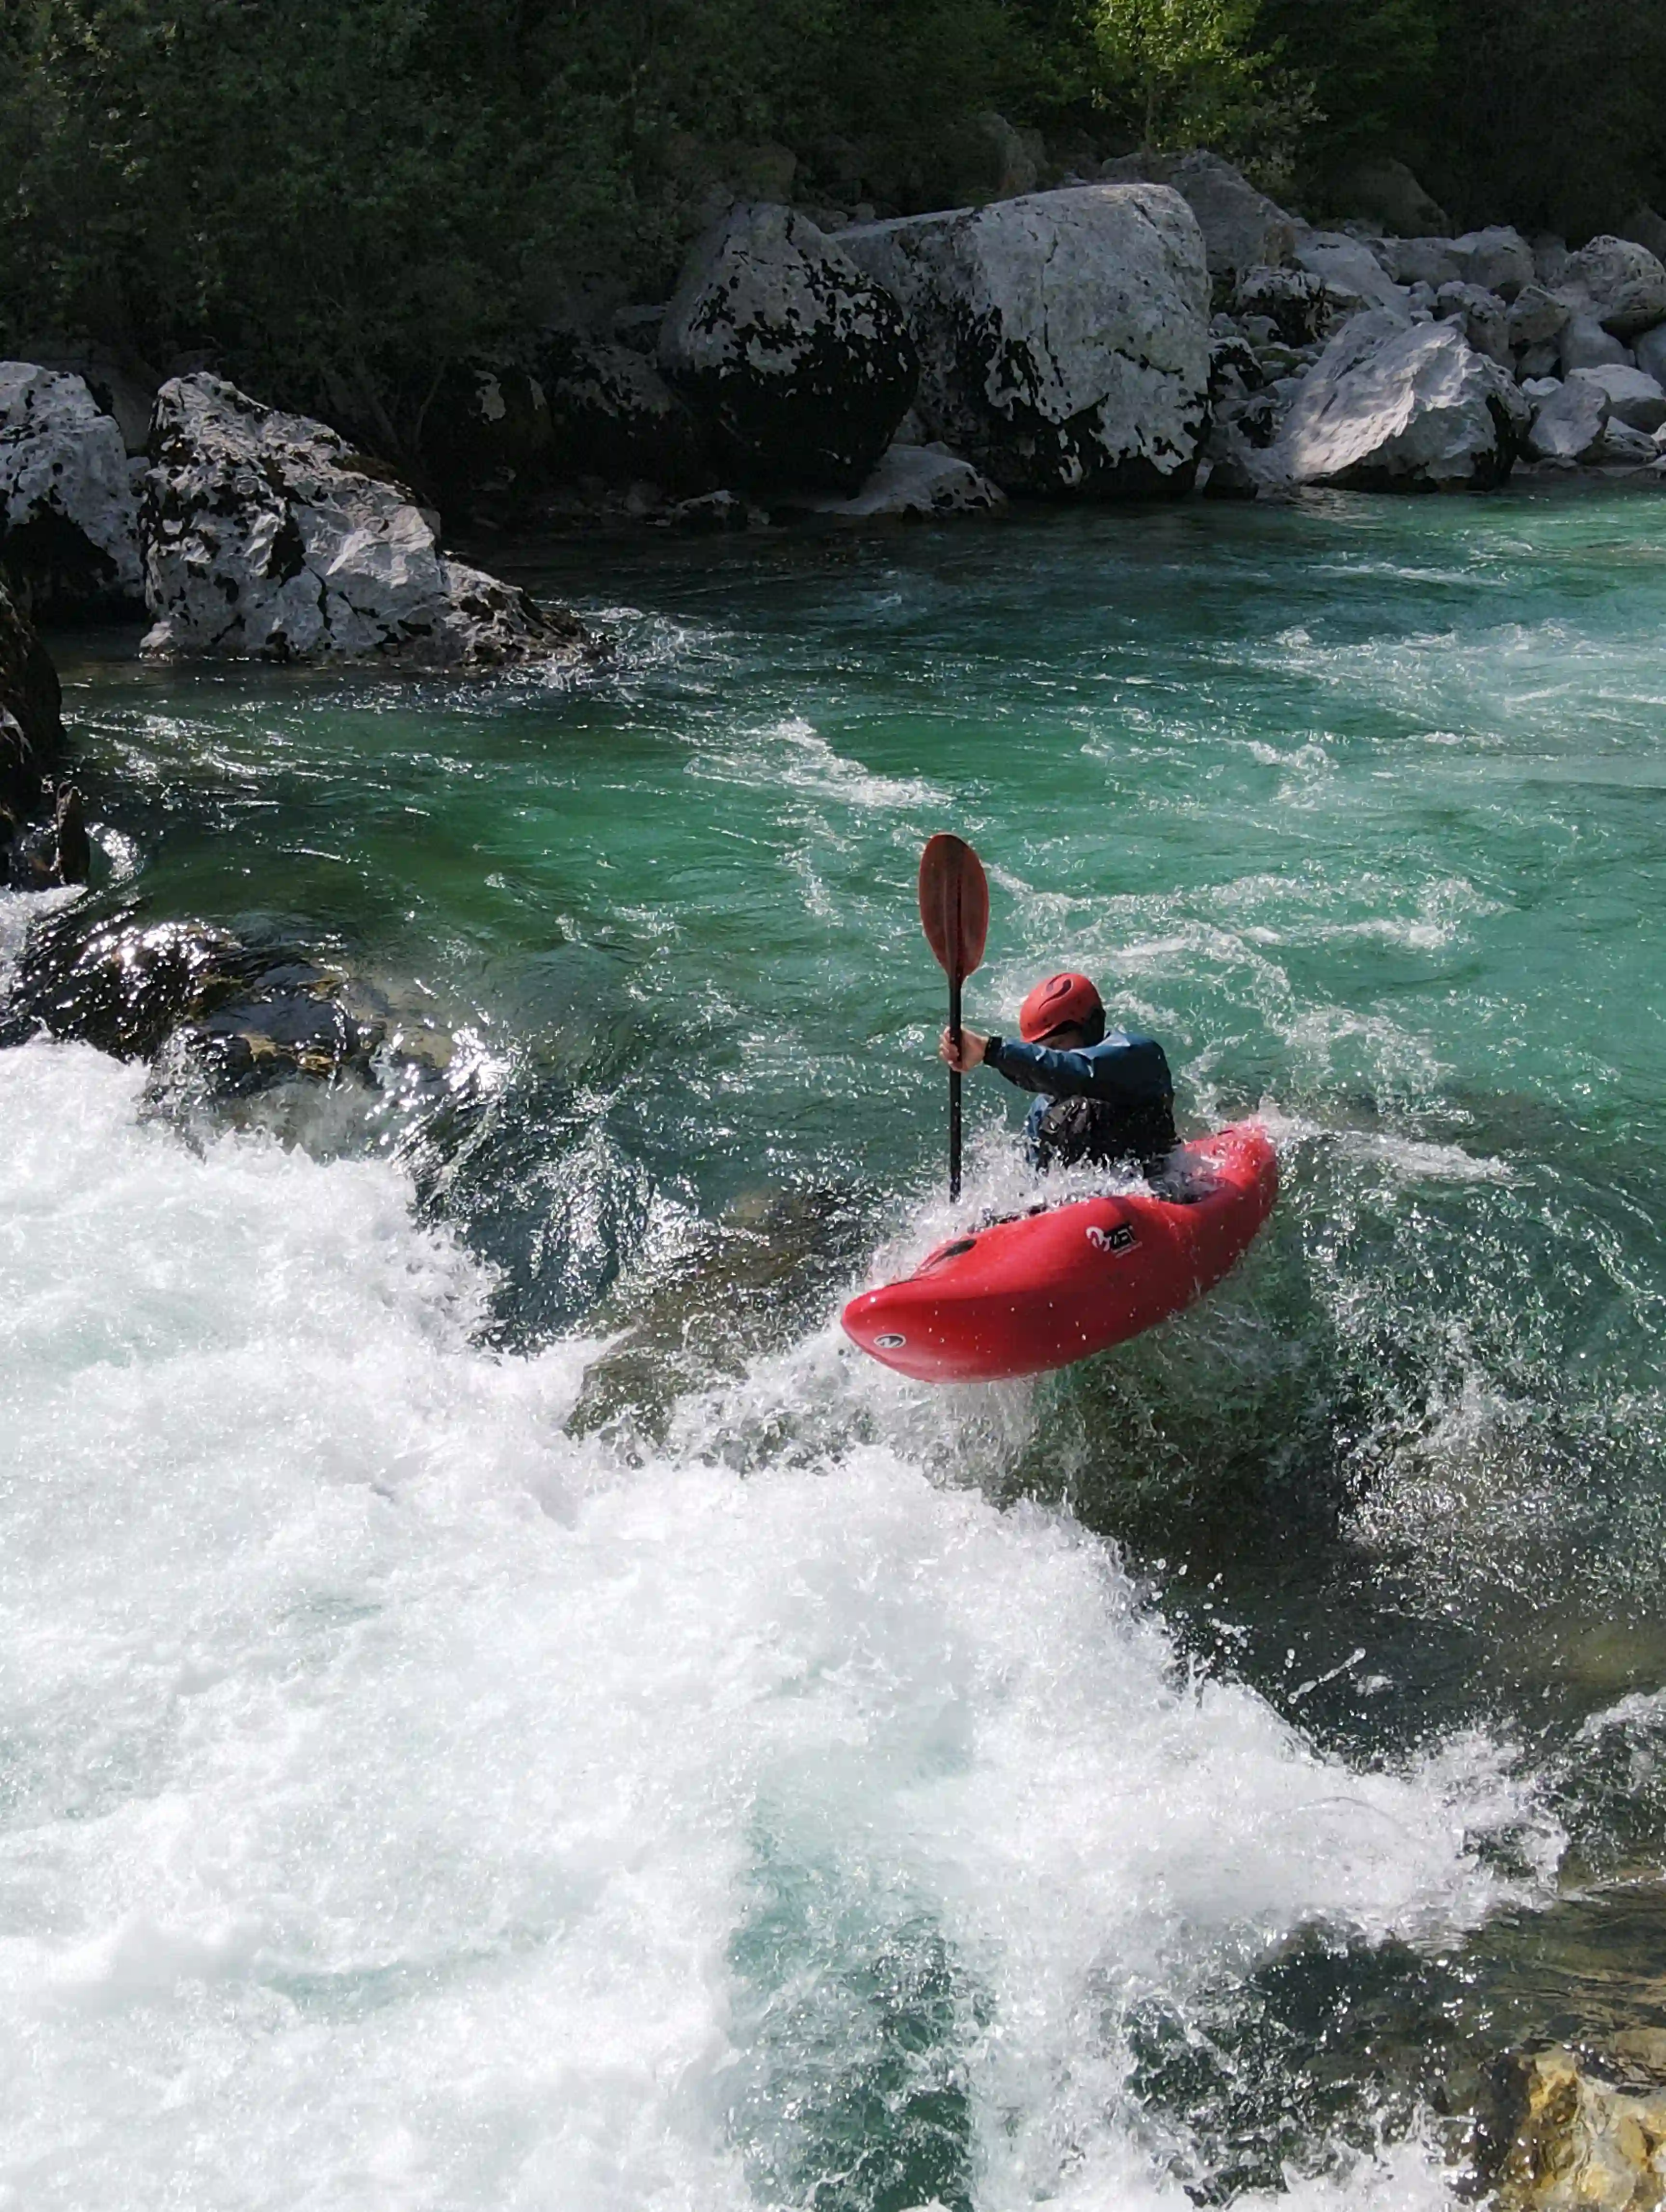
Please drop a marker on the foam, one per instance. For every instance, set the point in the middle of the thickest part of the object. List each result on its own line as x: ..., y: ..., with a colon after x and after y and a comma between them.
x: 393, y: 1781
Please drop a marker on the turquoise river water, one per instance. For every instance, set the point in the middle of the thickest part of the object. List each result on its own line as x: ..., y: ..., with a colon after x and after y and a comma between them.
x: 500, y: 1708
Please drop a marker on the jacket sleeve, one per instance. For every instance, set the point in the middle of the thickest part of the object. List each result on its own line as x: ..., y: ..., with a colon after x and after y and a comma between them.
x: 1123, y: 1069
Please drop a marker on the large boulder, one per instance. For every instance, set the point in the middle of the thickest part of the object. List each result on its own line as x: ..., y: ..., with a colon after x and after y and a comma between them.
x: 1581, y: 343
x: 1634, y: 398
x: 916, y: 484
x: 1499, y: 260
x: 1242, y: 228
x: 266, y: 535
x: 1430, y: 261
x: 1568, y: 420
x: 1063, y: 337
x: 1536, y: 316
x: 613, y: 416
x: 1389, y: 407
x: 1618, y: 283
x: 31, y: 722
x: 803, y: 363
x: 69, y: 516
x: 1483, y: 317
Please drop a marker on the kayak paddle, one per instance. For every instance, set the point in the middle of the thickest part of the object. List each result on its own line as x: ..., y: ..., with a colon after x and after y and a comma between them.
x: 954, y: 912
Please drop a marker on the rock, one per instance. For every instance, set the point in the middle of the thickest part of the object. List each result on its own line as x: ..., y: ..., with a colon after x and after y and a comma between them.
x: 1540, y: 361
x: 1618, y: 283
x: 1499, y: 260
x: 1392, y: 407
x: 1430, y: 261
x: 1581, y: 2144
x: 1568, y: 421
x: 1013, y: 157
x: 803, y: 362
x: 56, y: 852
x: 1351, y: 274
x: 915, y: 482
x: 1297, y: 303
x: 69, y: 521
x: 1649, y: 229
x: 1535, y: 316
x: 1635, y: 399
x: 612, y: 414
x: 1384, y: 191
x: 1650, y: 351
x: 714, y: 513
x: 1483, y: 316
x: 266, y: 535
x: 1549, y: 260
x: 487, y: 430
x: 1584, y: 344
x: 31, y: 721
x: 1064, y: 338
x: 1242, y: 228
x: 1623, y: 446
x: 1231, y: 467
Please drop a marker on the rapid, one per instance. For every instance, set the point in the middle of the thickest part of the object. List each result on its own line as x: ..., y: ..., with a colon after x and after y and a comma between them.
x: 501, y: 1707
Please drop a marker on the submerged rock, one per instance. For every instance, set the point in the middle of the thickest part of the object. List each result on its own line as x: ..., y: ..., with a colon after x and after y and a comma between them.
x: 802, y: 362
x: 267, y: 536
x: 1583, y: 2144
x: 1064, y: 337
x: 1387, y: 408
x: 68, y: 515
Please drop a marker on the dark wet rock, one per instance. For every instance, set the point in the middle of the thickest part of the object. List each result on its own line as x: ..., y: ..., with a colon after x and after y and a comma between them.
x: 1064, y: 337
x: 613, y: 416
x: 68, y: 515
x: 31, y: 719
x: 267, y: 536
x: 714, y: 513
x: 47, y: 856
x: 802, y: 363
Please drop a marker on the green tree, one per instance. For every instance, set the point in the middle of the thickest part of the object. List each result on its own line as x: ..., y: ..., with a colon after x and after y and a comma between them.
x: 1190, y: 69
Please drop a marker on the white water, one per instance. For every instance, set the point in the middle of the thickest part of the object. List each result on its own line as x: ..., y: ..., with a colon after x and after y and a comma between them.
x: 390, y: 1784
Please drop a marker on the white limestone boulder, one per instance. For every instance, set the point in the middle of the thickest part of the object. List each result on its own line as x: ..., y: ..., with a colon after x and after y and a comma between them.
x: 1392, y: 407
x: 1619, y: 283
x: 1581, y: 343
x: 1568, y: 419
x: 266, y: 536
x: 1634, y: 398
x: 1242, y: 228
x: 1536, y: 316
x: 916, y: 484
x: 804, y: 365
x: 68, y: 515
x: 1499, y: 258
x: 1063, y: 337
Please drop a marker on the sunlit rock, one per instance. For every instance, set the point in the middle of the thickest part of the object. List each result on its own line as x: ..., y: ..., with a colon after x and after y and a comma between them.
x: 916, y: 484
x: 266, y: 535
x: 68, y: 515
x: 1063, y: 337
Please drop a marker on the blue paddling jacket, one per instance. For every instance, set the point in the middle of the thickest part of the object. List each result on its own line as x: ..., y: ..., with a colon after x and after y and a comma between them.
x: 1110, y: 1103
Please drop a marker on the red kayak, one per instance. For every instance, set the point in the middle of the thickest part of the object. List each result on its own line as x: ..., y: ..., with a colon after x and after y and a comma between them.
x: 1023, y: 1296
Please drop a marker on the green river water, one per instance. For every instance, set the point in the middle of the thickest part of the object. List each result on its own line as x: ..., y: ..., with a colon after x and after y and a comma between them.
x: 1360, y: 806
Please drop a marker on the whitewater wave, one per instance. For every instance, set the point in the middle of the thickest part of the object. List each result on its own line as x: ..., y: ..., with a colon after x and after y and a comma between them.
x: 409, y: 1804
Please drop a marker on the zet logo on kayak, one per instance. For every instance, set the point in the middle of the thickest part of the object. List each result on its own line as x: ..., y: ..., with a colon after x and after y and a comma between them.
x: 889, y: 1342
x: 1120, y: 1239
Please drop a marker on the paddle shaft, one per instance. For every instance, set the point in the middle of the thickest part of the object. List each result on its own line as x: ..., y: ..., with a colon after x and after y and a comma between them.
x: 954, y: 1088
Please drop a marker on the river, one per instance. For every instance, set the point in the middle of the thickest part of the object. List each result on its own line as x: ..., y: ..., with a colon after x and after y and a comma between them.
x: 502, y: 1708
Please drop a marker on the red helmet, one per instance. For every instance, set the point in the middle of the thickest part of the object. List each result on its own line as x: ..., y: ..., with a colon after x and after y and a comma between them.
x: 1062, y: 1001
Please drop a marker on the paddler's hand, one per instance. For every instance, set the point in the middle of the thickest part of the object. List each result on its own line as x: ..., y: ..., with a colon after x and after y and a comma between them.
x: 970, y: 1055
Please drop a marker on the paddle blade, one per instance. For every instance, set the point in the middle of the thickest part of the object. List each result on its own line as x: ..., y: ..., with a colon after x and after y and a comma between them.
x: 954, y: 905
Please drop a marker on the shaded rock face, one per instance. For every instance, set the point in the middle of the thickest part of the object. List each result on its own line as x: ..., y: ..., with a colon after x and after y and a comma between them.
x: 31, y: 720
x: 803, y: 363
x: 1351, y: 273
x: 1242, y: 229
x: 267, y: 536
x: 69, y: 516
x: 1581, y: 343
x: 1064, y: 337
x: 1294, y: 300
x: 1568, y: 421
x: 1633, y: 397
x: 1499, y: 260
x: 1618, y: 282
x: 1429, y: 261
x: 487, y: 429
x: 1391, y: 409
x: 612, y: 414
x: 1385, y: 191
x: 1483, y: 317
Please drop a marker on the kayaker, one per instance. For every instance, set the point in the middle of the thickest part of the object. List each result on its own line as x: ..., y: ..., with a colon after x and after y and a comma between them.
x: 1106, y: 1096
